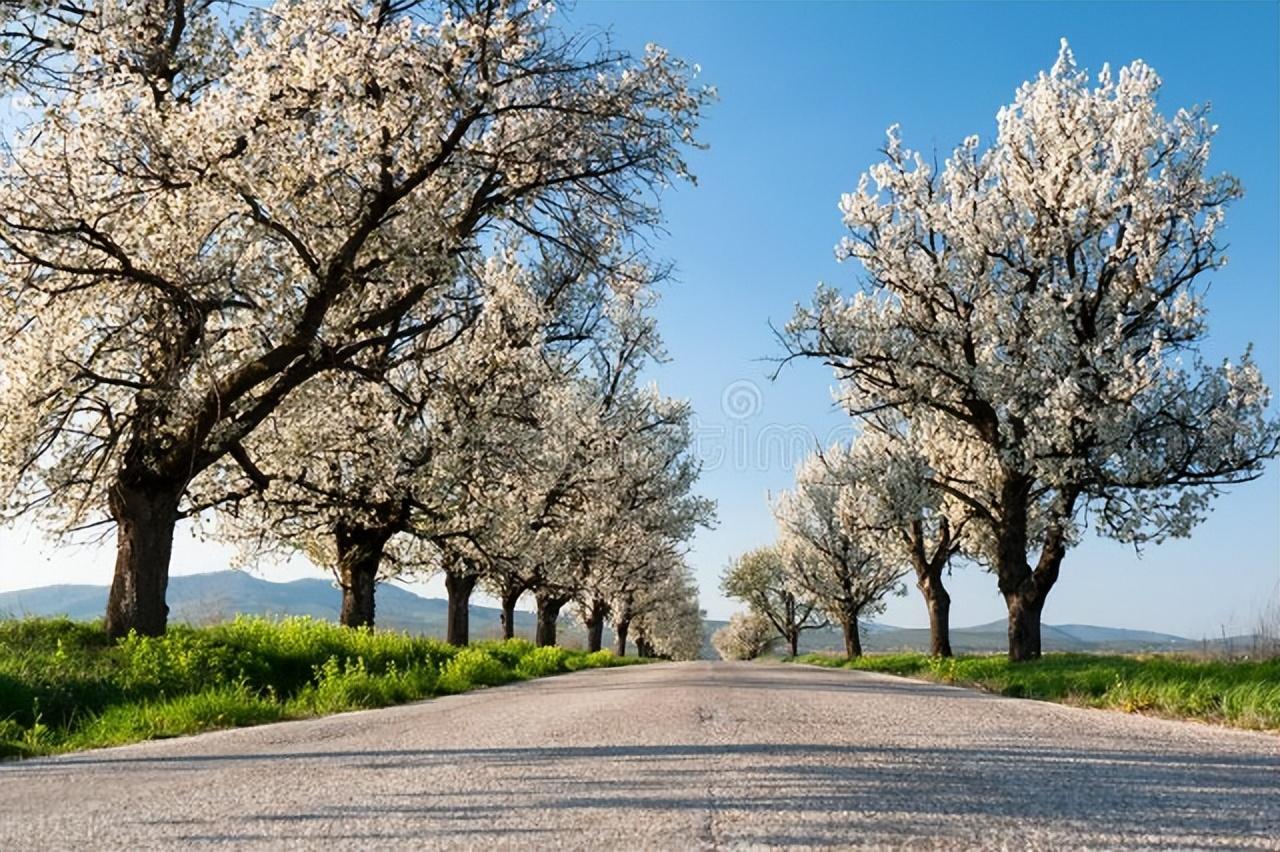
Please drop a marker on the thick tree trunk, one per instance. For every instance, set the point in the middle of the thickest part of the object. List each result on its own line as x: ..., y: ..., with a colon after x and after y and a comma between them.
x: 459, y: 585
x: 595, y: 624
x: 852, y: 638
x: 643, y: 647
x: 1024, y: 626
x: 793, y: 643
x: 358, y: 583
x: 145, y: 516
x: 1016, y: 580
x: 620, y: 628
x: 938, y: 602
x: 595, y: 634
x: 549, y: 606
x: 1025, y: 590
x: 359, y: 557
x: 929, y: 563
x: 509, y: 600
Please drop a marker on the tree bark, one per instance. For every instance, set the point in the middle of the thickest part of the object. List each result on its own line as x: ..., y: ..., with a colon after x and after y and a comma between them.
x: 145, y: 514
x: 1015, y: 578
x: 359, y: 557
x: 358, y: 583
x: 620, y: 628
x: 595, y: 624
x: 548, y: 613
x: 643, y: 646
x: 1024, y: 626
x: 929, y: 567
x: 459, y: 584
x: 793, y: 642
x: 1025, y: 590
x: 938, y: 602
x: 510, y: 598
x: 852, y: 639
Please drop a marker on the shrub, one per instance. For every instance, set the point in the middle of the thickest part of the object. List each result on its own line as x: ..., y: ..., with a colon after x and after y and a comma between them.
x: 601, y: 659
x: 545, y: 661
x: 349, y: 685
x: 470, y: 667
x: 509, y: 652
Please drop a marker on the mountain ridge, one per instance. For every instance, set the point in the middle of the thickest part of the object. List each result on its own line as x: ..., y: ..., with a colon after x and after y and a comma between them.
x: 220, y: 595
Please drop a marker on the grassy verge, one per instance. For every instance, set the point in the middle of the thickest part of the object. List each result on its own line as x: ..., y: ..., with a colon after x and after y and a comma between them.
x: 1242, y: 694
x: 65, y: 686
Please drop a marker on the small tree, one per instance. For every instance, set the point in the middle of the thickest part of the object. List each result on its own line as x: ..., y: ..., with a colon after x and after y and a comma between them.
x: 886, y: 495
x: 847, y: 569
x: 745, y: 637
x: 758, y: 578
x: 672, y: 623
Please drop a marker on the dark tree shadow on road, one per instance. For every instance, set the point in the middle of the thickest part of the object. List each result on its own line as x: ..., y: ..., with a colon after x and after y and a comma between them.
x: 815, y: 793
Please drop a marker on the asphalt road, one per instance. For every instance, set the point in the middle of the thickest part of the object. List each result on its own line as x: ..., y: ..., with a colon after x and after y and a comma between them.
x: 687, y: 755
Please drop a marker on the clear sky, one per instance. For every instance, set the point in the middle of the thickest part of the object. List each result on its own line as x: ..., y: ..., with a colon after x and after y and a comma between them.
x: 807, y: 91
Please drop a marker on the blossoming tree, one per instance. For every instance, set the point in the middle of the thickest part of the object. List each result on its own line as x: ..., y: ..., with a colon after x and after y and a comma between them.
x: 759, y: 578
x: 201, y: 218
x: 1034, y: 309
x: 833, y: 557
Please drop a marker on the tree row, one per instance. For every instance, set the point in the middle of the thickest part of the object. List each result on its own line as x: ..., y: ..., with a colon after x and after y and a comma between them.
x: 365, y: 281
x: 1022, y: 357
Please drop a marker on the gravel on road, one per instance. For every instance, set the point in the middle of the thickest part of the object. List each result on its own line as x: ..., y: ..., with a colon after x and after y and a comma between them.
x: 670, y: 756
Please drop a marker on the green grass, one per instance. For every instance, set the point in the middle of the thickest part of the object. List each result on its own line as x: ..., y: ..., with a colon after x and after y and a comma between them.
x: 65, y: 686
x: 1243, y: 694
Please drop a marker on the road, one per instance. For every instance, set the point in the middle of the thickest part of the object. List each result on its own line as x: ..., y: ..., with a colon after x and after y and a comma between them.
x: 683, y: 755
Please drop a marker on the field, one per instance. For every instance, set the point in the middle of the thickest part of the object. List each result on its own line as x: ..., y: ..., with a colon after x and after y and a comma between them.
x: 65, y: 686
x: 1242, y: 694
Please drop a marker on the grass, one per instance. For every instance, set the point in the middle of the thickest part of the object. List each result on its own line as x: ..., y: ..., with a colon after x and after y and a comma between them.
x: 1242, y: 694
x: 65, y: 686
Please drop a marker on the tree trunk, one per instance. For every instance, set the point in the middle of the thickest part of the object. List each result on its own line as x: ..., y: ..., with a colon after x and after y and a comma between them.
x: 145, y: 516
x: 852, y: 639
x: 359, y: 557
x: 459, y: 585
x: 1024, y: 627
x: 509, y: 600
x: 595, y: 624
x: 643, y: 647
x: 1016, y: 580
x: 548, y: 613
x: 620, y: 628
x: 929, y: 561
x: 595, y: 634
x: 358, y: 583
x: 1026, y: 600
x: 938, y: 602
x: 793, y: 643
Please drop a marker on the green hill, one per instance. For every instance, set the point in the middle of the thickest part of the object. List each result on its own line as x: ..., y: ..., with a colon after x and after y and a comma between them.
x: 220, y: 595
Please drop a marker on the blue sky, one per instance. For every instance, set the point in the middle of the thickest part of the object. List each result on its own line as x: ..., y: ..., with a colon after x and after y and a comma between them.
x: 807, y: 90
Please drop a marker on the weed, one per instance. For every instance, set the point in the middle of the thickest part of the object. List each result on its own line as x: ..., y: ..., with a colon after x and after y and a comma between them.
x: 1240, y: 693
x: 64, y: 685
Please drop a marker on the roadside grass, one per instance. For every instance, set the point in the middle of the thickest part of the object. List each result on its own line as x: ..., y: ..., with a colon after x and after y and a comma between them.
x: 65, y: 686
x: 1243, y: 694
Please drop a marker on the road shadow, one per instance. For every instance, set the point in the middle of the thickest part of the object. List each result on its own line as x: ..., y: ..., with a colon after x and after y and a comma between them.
x: 814, y: 793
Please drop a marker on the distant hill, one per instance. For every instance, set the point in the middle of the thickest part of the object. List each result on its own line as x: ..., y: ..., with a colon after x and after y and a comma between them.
x: 993, y: 638
x: 220, y: 595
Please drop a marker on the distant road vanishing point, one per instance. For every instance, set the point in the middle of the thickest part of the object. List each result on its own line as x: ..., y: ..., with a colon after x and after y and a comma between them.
x: 671, y: 756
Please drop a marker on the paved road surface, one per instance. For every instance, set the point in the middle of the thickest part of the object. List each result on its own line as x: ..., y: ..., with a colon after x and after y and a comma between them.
x: 684, y: 755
